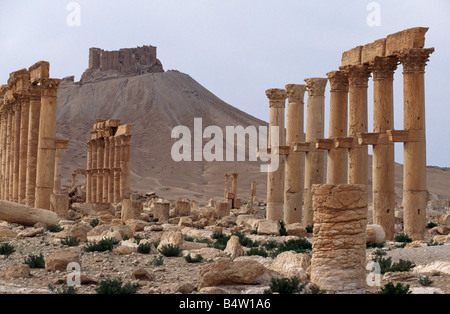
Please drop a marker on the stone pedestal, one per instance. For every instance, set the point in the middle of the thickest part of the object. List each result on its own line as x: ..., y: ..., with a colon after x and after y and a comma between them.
x: 337, y: 159
x: 59, y: 204
x: 275, y: 179
x: 294, y: 171
x: 182, y: 208
x: 222, y: 209
x: 315, y: 126
x: 161, y: 211
x: 338, y: 261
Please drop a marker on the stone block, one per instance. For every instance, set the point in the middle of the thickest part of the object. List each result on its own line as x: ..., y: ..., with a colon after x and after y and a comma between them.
x: 371, y: 51
x: 409, y: 38
x: 39, y: 71
x: 352, y: 56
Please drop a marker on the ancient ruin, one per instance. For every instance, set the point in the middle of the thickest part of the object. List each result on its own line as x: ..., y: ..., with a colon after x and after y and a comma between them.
x: 108, y: 162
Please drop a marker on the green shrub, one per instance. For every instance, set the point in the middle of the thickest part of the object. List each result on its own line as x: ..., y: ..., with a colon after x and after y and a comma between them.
x: 6, y: 249
x: 431, y: 224
x: 94, y: 222
x: 378, y: 245
x: 425, y: 281
x: 35, y: 261
x: 54, y: 228
x: 105, y: 244
x: 144, y: 248
x: 285, y: 286
x: 115, y: 286
x: 283, y: 231
x: 221, y: 240
x: 170, y: 250
x: 257, y: 251
x: 403, y: 238
x: 244, y: 240
x: 158, y: 260
x: 385, y: 263
x: 397, y: 289
x: 310, y: 228
x: 402, y: 266
x: 189, y: 239
x: 63, y: 290
x: 298, y: 245
x: 434, y: 243
x: 270, y: 245
x: 313, y: 289
x: 70, y: 241
x: 196, y: 259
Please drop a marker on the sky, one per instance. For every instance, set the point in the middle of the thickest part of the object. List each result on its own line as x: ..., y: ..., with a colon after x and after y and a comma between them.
x: 237, y: 49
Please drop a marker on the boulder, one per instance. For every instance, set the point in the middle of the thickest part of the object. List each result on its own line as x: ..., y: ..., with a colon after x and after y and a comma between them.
x: 60, y: 259
x: 289, y: 264
x: 268, y: 227
x: 171, y: 237
x: 296, y: 229
x: 234, y: 247
x: 21, y: 271
x: 374, y: 234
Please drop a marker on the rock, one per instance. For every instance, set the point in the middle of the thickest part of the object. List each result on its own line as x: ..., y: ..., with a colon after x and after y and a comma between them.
x: 296, y: 229
x: 224, y: 271
x: 153, y: 228
x: 445, y: 220
x: 110, y: 230
x: 171, y: 237
x: 212, y: 290
x: 123, y: 250
x: 222, y: 209
x: 434, y: 267
x: 374, y: 234
x: 289, y: 264
x: 185, y: 288
x: 21, y: 271
x: 185, y: 222
x: 80, y: 231
x: 60, y: 259
x: 399, y: 275
x: 234, y: 247
x: 209, y: 253
x: 141, y: 274
x: 7, y: 233
x: 182, y: 208
x: 426, y: 290
x: 268, y: 227
x: 85, y: 209
x: 442, y: 238
x: 30, y: 232
x: 248, y: 221
x: 443, y: 230
x: 136, y: 224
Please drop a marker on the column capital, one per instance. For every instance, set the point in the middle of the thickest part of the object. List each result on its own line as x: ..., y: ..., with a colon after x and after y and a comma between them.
x: 50, y: 87
x: 296, y: 92
x: 358, y: 75
x: 383, y: 68
x: 316, y: 86
x: 35, y: 92
x: 338, y: 81
x: 124, y: 139
x: 414, y: 59
x: 277, y: 97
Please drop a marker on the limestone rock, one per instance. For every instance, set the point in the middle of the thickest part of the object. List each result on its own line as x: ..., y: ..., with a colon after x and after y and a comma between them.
x: 445, y: 220
x: 209, y: 253
x: 123, y: 250
x: 224, y: 271
x: 185, y: 222
x: 234, y: 247
x: 212, y: 290
x: 60, y: 259
x: 141, y: 274
x: 136, y: 224
x: 434, y: 267
x: 21, y: 271
x: 185, y: 288
x: 109, y: 230
x: 296, y: 229
x: 268, y: 227
x: 30, y: 232
x: 374, y: 234
x: 7, y: 233
x: 171, y: 237
x: 289, y: 264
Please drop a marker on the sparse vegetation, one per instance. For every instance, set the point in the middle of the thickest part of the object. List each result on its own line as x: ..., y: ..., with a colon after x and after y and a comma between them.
x: 70, y: 241
x: 35, y: 261
x: 403, y: 238
x: 6, y: 249
x: 402, y: 266
x: 54, y: 228
x: 285, y: 286
x: 158, y: 260
x: 244, y: 240
x: 378, y: 245
x: 144, y: 248
x: 65, y: 289
x: 434, y: 243
x: 431, y: 224
x: 196, y: 259
x: 94, y: 222
x: 257, y: 251
x: 105, y: 244
x: 301, y: 245
x: 221, y: 240
x: 170, y: 250
x: 116, y: 286
x: 425, y: 281
x: 283, y: 231
x: 310, y: 228
x: 389, y: 288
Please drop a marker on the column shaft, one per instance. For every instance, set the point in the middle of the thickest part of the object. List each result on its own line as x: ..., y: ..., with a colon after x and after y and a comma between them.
x: 88, y: 173
x: 106, y: 171
x: 100, y: 159
x: 125, y: 188
x: 32, y: 149
x: 24, y: 121
x: 94, y: 172
x: 111, y: 170
x: 117, y: 196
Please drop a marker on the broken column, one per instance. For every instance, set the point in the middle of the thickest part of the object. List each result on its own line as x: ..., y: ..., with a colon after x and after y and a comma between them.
x: 294, y: 175
x: 315, y: 126
x: 253, y: 193
x: 414, y: 152
x: 337, y: 158
x: 338, y: 261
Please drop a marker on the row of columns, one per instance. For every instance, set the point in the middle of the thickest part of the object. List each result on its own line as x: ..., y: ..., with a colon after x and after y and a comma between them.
x: 27, y: 136
x: 108, y: 163
x: 348, y: 140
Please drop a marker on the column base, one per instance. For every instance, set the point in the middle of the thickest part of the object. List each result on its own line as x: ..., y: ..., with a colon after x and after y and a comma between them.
x: 59, y: 204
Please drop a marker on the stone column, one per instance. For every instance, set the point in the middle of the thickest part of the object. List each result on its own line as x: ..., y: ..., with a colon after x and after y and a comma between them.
x: 337, y: 159
x: 16, y: 152
x: 100, y: 159
x: 89, y: 173
x: 59, y: 146
x: 414, y: 153
x: 46, y: 146
x: 125, y: 187
x: 227, y: 185
x: 111, y: 170
x: 94, y: 171
x: 295, y: 161
x: 234, y: 180
x: 59, y: 200
x: 275, y: 179
x: 338, y: 261
x: 117, y: 196
x: 253, y: 193
x: 24, y: 121
x: 4, y: 120
x: 383, y: 168
x: 106, y: 171
x: 358, y: 164
x: 32, y: 149
x: 315, y: 126
x: 9, y: 132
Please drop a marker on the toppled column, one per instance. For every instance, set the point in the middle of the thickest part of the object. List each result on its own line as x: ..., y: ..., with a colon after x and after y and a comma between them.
x: 294, y: 175
x: 26, y: 215
x: 383, y: 169
x: 338, y: 261
x: 338, y: 158
x: 315, y: 126
x: 46, y: 146
x: 358, y: 156
x: 414, y: 152
x: 275, y: 179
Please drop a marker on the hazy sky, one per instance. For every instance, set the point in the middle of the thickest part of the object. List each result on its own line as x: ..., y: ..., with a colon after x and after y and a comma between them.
x: 235, y: 48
